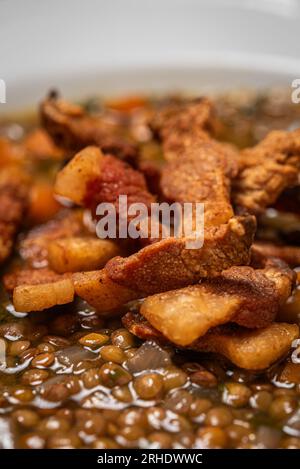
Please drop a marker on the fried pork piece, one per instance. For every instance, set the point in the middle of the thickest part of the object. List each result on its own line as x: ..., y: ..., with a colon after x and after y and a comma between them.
x: 289, y: 254
x: 165, y: 265
x: 77, y: 254
x: 34, y: 247
x: 13, y: 203
x: 90, y: 178
x: 242, y: 295
x: 249, y: 349
x: 168, y: 264
x: 180, y: 123
x: 199, y: 176
x: 29, y: 277
x: 100, y: 292
x: 73, y: 129
x: 266, y: 170
x: 140, y: 327
x: 27, y: 298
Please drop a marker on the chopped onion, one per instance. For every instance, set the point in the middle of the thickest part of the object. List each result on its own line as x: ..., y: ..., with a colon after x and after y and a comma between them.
x: 149, y: 356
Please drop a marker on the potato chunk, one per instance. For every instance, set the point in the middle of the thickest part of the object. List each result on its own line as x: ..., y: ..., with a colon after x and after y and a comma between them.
x: 185, y: 315
x: 78, y: 254
x: 100, y: 292
x: 251, y: 350
x: 72, y: 179
x: 28, y: 298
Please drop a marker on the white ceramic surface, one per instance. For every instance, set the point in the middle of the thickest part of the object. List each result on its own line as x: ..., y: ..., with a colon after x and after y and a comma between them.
x: 115, y: 46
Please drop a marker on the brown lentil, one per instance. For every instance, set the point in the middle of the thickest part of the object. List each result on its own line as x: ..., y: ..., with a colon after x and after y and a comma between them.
x: 160, y: 440
x: 148, y: 386
x: 25, y: 418
x: 94, y: 340
x: 18, y: 347
x: 174, y: 378
x: 32, y: 441
x: 112, y: 353
x: 218, y: 417
x: 105, y: 443
x: 91, y: 378
x: 282, y: 407
x: 34, y: 377
x: 112, y: 374
x: 123, y: 339
x: 43, y: 360
x: 204, y: 378
x: 236, y: 394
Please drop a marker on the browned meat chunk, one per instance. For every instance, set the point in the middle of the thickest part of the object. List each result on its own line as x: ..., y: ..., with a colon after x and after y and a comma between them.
x: 193, y: 123
x: 243, y: 295
x: 13, y: 202
x: 198, y: 175
x: 140, y: 327
x: 73, y: 129
x: 266, y: 170
x: 179, y: 124
x: 252, y: 350
x: 168, y: 264
x: 100, y: 291
x: 248, y: 349
x: 29, y: 277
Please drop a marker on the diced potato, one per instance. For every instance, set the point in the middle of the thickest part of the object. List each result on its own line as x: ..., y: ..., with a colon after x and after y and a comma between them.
x: 100, y: 292
x: 78, y: 254
x: 185, y: 315
x: 28, y: 298
x: 72, y: 179
x: 252, y: 349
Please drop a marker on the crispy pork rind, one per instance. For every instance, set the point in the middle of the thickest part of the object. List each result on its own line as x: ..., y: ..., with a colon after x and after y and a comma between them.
x: 192, y: 123
x: 168, y: 264
x: 25, y: 276
x: 178, y: 124
x: 27, y: 298
x: 250, y: 349
x: 100, y: 292
x: 184, y: 315
x: 266, y: 170
x: 77, y: 254
x: 199, y: 175
x: 73, y: 129
x: 243, y: 295
x: 13, y: 203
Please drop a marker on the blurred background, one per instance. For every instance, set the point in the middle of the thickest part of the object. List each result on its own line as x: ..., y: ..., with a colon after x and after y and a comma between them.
x: 120, y: 46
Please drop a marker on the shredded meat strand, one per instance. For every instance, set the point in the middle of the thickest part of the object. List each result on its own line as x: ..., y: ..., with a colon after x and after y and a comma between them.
x: 73, y: 129
x: 266, y: 170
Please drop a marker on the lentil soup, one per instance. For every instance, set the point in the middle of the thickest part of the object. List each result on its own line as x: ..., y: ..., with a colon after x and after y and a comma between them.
x: 96, y: 371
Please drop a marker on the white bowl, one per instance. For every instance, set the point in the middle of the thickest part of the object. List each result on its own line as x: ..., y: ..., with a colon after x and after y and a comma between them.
x: 118, y: 46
